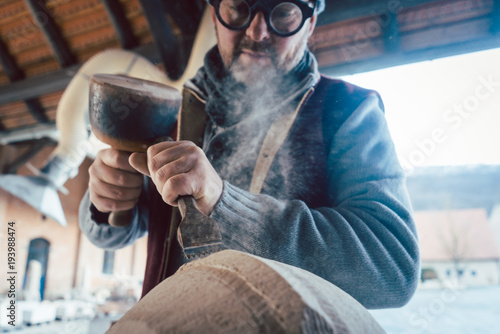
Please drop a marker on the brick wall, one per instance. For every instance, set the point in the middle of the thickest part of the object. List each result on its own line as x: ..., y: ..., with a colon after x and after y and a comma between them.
x: 71, y: 256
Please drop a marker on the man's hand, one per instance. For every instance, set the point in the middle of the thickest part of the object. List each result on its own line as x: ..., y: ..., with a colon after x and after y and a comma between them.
x: 114, y: 185
x: 178, y: 169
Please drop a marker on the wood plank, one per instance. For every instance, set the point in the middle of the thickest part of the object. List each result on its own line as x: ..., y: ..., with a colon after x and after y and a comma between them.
x: 21, y: 121
x: 13, y: 109
x: 51, y: 100
x: 15, y: 73
x: 41, y: 67
x: 445, y: 34
x: 352, y: 31
x: 85, y: 24
x: 443, y: 13
x: 100, y: 37
x: 71, y: 10
x: 337, y: 11
x: 23, y: 108
x: 376, y: 63
x: 11, y: 12
x: 34, y: 56
x: 45, y: 20
x: 26, y: 37
x: 349, y: 53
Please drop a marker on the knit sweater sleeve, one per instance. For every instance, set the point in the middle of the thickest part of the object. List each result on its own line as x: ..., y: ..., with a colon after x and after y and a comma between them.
x: 365, y: 242
x: 94, y: 225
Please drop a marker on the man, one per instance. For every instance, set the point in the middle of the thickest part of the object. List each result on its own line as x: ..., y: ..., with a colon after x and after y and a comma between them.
x: 293, y: 166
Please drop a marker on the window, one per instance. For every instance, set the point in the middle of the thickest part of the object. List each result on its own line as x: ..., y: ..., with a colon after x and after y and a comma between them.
x: 428, y: 274
x: 109, y: 262
x: 38, y: 254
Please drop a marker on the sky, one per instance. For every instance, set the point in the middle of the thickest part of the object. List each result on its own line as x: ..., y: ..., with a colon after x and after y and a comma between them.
x: 444, y: 111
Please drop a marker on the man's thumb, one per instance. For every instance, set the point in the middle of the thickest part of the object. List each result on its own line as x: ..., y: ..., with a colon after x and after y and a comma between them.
x: 140, y: 162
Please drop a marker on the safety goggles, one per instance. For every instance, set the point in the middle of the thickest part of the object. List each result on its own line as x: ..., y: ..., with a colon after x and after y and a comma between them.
x: 284, y: 18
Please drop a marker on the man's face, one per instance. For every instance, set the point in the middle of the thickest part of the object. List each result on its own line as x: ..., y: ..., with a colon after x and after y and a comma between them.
x: 256, y: 53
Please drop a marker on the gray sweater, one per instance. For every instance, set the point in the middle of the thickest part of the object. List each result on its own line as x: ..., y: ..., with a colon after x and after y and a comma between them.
x: 344, y: 216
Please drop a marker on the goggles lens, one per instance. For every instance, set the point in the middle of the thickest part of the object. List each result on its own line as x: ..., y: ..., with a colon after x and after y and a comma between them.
x: 285, y: 18
x: 235, y: 13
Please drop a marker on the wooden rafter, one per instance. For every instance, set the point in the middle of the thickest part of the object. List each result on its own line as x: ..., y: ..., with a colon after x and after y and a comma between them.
x: 9, y: 64
x: 375, y: 63
x: 36, y: 86
x: 36, y: 110
x: 44, y: 18
x: 55, y: 81
x: 390, y: 26
x: 170, y: 49
x: 186, y: 14
x: 10, y: 68
x: 336, y: 11
x: 122, y: 26
x: 24, y: 158
x: 14, y: 73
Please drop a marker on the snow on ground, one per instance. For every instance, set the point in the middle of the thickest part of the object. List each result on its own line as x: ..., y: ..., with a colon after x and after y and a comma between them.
x: 450, y: 311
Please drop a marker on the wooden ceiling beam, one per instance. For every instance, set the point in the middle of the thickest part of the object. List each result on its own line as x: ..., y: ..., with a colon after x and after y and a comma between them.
x: 336, y: 11
x: 56, y: 81
x: 36, y: 110
x: 38, y: 145
x: 186, y: 14
x: 121, y: 24
x: 45, y: 20
x: 9, y: 64
x: 170, y: 49
x: 187, y: 17
x: 37, y: 86
x: 14, y: 73
x: 402, y: 58
x: 390, y: 27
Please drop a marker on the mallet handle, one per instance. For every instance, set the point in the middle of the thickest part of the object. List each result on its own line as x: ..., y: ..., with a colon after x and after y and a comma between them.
x: 120, y: 218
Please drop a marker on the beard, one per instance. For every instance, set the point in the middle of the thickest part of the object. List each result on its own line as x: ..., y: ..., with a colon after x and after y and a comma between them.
x: 256, y: 75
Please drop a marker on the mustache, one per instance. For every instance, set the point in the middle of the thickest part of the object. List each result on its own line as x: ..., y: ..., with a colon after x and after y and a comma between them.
x: 259, y: 47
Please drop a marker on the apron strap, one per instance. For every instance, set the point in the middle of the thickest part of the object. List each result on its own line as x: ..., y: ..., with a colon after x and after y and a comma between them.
x: 274, y: 140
